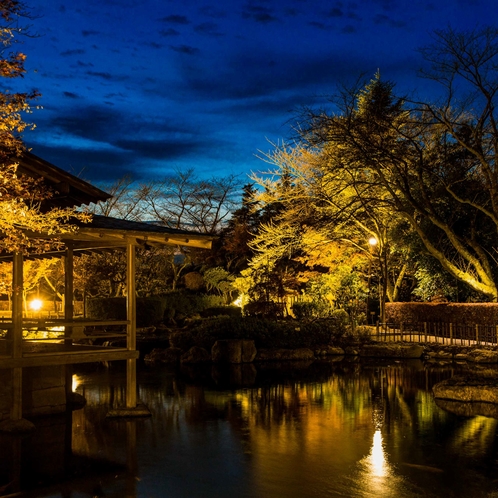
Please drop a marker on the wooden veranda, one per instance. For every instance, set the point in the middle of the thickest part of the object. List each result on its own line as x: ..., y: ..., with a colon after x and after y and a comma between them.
x: 102, y: 233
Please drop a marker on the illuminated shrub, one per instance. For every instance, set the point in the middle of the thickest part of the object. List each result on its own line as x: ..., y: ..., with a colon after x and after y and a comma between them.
x: 307, y: 310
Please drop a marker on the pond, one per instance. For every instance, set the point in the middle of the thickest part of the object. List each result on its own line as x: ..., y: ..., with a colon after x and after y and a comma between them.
x: 322, y: 429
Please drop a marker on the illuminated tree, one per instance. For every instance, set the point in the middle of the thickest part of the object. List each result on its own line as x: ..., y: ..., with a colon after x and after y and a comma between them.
x: 328, y: 215
x: 23, y: 201
x: 433, y: 164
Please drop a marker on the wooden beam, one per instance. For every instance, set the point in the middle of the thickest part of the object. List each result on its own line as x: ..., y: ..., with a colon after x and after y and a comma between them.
x: 30, y: 360
x: 16, y: 350
x: 68, y: 284
x: 17, y: 294
x: 131, y: 329
x: 68, y: 312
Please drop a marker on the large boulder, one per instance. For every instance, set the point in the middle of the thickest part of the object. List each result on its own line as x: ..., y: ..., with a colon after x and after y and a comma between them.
x: 467, y: 389
x: 196, y: 354
x: 483, y: 356
x: 392, y: 350
x: 233, y: 351
x: 276, y: 354
x: 328, y: 350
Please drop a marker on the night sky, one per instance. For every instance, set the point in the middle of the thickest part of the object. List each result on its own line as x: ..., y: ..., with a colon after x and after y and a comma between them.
x: 147, y: 87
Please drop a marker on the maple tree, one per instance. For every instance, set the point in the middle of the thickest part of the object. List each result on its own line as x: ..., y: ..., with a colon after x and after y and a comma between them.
x: 23, y: 200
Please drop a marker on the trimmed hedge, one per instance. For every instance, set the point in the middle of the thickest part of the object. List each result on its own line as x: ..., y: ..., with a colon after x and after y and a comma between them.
x: 482, y: 313
x: 181, y: 303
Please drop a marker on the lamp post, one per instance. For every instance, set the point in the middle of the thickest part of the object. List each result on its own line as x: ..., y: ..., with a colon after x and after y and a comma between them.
x: 381, y: 255
x: 372, y: 242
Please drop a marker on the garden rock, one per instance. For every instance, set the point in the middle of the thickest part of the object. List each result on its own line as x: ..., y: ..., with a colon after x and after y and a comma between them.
x: 467, y: 389
x: 392, y: 350
x: 284, y: 354
x: 483, y: 356
x: 329, y: 351
x: 196, y: 354
x: 233, y: 351
x: 160, y: 355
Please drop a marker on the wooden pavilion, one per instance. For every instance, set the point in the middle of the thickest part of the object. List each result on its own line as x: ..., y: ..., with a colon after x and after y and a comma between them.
x: 102, y: 233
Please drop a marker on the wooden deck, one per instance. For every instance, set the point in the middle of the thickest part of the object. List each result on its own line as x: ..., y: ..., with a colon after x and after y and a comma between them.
x: 38, y: 354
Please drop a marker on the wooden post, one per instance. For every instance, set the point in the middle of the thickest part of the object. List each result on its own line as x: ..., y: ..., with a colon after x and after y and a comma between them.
x: 477, y: 333
x: 425, y: 331
x: 16, y: 349
x: 133, y: 408
x: 68, y: 284
x: 451, y: 334
x: 131, y: 335
x: 17, y: 291
x: 68, y: 313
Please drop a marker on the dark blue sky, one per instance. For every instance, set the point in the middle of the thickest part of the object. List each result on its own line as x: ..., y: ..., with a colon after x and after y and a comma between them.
x: 147, y: 87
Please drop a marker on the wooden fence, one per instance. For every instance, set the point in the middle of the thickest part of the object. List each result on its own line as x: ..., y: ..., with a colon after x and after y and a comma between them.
x: 462, y: 334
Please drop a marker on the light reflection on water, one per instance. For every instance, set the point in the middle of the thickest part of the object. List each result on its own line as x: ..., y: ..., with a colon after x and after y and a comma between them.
x: 323, y: 430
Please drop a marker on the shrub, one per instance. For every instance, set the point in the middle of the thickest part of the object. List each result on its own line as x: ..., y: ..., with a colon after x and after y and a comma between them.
x: 150, y: 310
x: 485, y: 313
x: 311, y: 309
x: 266, y: 333
x: 360, y: 335
x: 187, y: 304
x: 340, y: 321
x: 231, y: 311
x: 264, y: 309
x: 107, y: 308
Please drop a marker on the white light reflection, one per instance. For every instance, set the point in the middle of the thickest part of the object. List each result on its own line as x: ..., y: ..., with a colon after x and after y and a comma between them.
x: 377, y: 458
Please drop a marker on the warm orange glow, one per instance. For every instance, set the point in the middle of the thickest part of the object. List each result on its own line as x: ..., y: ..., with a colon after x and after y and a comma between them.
x: 36, y: 304
x: 372, y: 241
x: 76, y: 382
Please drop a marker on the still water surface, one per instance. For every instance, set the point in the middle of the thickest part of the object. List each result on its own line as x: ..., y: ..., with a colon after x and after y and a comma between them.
x: 329, y: 429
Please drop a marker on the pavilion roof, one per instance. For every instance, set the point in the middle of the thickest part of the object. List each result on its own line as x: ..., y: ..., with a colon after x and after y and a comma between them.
x: 69, y: 190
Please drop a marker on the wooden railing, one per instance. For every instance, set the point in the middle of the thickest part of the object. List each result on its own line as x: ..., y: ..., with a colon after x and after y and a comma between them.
x: 443, y: 332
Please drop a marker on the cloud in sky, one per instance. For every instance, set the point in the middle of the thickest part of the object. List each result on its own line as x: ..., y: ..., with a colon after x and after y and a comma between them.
x: 144, y: 88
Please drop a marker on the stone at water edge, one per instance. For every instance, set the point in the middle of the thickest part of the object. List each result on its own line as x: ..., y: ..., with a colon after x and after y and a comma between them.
x: 392, y: 350
x: 195, y: 354
x: 166, y: 355
x: 468, y: 389
x: 284, y: 354
x: 329, y: 351
x: 483, y: 356
x: 233, y: 351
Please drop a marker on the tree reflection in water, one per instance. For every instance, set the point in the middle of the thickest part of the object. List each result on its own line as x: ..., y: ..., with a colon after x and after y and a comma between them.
x: 356, y: 429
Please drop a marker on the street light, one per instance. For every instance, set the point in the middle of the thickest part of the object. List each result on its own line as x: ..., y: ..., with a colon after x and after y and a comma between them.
x: 372, y: 241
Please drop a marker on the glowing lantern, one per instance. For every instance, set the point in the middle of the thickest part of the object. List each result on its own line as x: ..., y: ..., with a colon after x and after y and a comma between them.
x: 36, y: 304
